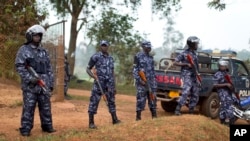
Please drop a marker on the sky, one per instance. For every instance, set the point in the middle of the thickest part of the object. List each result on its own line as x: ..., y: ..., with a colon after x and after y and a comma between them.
x: 225, y: 29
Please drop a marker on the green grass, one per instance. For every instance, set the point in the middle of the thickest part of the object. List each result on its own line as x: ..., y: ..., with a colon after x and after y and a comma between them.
x: 160, y: 129
x: 17, y: 103
x: 87, y: 85
x: 78, y: 97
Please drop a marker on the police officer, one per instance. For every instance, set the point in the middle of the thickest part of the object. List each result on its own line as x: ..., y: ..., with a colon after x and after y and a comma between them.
x: 225, y: 94
x: 32, y: 54
x: 144, y: 62
x: 103, y: 64
x: 66, y: 77
x: 190, y: 83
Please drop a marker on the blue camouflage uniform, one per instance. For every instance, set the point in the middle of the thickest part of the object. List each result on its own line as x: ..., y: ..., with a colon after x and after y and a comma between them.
x: 66, y: 76
x: 225, y: 96
x: 104, y: 66
x: 190, y: 85
x: 37, y: 58
x: 144, y: 62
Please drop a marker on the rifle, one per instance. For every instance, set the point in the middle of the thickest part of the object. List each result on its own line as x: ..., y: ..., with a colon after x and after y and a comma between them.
x: 40, y: 82
x: 229, y: 80
x: 143, y: 77
x: 198, y: 77
x: 97, y: 80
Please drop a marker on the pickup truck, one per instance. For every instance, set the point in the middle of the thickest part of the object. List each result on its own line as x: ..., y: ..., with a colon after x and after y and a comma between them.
x: 169, y: 82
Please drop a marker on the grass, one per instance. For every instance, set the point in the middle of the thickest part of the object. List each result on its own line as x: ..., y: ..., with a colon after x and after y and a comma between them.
x: 17, y: 103
x: 87, y: 85
x: 169, y: 128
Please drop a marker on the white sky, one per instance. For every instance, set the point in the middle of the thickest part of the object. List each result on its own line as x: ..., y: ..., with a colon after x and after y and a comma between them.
x: 225, y: 29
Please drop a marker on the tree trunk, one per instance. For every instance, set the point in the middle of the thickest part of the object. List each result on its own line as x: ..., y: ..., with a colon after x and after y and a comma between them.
x: 72, y: 44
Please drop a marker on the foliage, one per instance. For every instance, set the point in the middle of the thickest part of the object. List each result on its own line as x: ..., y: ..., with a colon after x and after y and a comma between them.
x: 173, y: 38
x: 16, y: 16
x: 117, y: 29
x: 74, y: 9
x: 89, y: 8
x: 217, y: 4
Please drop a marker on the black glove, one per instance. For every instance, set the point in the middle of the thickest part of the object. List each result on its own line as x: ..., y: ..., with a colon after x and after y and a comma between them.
x: 51, y: 89
x: 33, y: 80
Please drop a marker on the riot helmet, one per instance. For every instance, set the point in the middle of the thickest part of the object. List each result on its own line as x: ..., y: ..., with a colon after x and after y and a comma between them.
x: 193, y: 42
x: 222, y: 62
x: 34, y: 30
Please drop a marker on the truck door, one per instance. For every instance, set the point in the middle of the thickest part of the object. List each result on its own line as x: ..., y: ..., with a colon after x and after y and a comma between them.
x: 242, y: 78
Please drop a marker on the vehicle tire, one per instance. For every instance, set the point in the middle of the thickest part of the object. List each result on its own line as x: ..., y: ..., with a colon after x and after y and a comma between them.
x: 169, y: 106
x: 210, y: 106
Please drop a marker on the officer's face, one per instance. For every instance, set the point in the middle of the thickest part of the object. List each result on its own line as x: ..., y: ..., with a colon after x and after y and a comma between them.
x: 195, y: 46
x: 36, y: 38
x: 147, y: 49
x: 104, y: 48
x: 222, y: 68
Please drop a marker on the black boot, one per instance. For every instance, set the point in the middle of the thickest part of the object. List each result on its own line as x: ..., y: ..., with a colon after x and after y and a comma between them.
x: 154, y: 115
x: 138, y: 115
x: 191, y: 111
x: 227, y: 122
x: 115, y: 120
x: 177, y: 110
x: 91, y: 122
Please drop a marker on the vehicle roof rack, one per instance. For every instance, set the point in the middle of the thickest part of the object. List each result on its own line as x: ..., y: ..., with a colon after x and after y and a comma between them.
x: 221, y: 53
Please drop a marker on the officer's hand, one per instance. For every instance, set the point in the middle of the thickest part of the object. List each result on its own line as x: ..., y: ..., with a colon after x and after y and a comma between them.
x: 142, y: 82
x: 229, y: 85
x: 189, y: 65
x: 51, y: 89
x: 34, y: 80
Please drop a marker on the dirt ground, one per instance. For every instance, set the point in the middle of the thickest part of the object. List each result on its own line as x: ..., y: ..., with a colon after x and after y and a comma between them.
x: 70, y: 114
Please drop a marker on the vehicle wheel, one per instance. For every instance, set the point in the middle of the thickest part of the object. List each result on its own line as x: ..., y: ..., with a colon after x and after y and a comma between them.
x: 210, y: 106
x: 169, y: 106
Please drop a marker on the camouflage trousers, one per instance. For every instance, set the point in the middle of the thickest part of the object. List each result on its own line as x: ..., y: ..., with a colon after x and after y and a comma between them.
x: 66, y: 87
x: 226, y: 100
x: 29, y: 105
x: 142, y: 96
x: 96, y: 96
x: 190, y: 90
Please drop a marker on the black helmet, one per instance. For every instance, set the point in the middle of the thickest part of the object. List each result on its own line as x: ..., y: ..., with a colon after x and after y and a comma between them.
x: 192, y: 40
x: 146, y: 44
x: 34, y: 30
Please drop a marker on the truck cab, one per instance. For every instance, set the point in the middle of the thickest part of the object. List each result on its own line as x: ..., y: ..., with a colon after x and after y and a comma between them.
x: 169, y: 82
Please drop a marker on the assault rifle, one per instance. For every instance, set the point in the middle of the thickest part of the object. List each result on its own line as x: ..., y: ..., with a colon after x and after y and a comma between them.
x: 94, y: 75
x: 229, y: 80
x: 40, y: 82
x: 143, y: 77
x: 198, y: 77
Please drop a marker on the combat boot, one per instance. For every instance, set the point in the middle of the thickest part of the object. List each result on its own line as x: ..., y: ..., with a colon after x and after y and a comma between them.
x: 191, y: 111
x: 154, y: 115
x: 227, y: 122
x: 138, y: 115
x: 115, y: 120
x: 177, y: 110
x: 91, y: 122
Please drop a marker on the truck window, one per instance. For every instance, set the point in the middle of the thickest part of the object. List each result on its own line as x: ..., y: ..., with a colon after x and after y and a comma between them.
x: 240, y: 69
x: 214, y: 64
